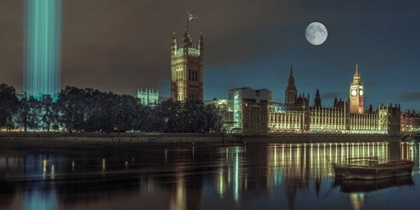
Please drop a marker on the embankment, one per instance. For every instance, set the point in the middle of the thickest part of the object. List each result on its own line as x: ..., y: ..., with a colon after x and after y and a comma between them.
x: 49, y: 140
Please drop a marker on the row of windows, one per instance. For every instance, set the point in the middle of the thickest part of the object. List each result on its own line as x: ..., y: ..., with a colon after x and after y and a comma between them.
x: 255, y: 116
x: 193, y: 96
x: 179, y: 76
x: 193, y: 75
x: 327, y: 114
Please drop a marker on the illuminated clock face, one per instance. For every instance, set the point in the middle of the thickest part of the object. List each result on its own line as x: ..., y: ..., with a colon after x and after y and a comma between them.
x: 353, y: 92
x: 361, y: 92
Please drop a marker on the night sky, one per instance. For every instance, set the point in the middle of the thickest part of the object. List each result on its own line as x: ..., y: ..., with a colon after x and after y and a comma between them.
x: 120, y: 46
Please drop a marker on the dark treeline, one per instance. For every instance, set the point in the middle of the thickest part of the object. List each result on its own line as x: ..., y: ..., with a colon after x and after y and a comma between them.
x: 88, y: 110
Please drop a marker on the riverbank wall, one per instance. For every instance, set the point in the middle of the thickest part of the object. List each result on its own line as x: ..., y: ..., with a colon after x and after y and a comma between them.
x: 183, y: 138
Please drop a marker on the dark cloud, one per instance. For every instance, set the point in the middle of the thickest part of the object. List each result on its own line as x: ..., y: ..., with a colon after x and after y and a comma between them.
x: 11, y: 42
x: 330, y: 95
x: 121, y: 45
x: 410, y: 97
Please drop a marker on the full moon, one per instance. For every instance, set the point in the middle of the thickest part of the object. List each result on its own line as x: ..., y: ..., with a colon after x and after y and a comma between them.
x: 316, y: 33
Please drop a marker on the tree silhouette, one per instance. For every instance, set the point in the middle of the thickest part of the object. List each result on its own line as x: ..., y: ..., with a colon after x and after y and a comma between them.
x: 89, y: 110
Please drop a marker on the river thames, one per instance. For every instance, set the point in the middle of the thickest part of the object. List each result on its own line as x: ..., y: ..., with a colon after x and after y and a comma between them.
x: 203, y: 176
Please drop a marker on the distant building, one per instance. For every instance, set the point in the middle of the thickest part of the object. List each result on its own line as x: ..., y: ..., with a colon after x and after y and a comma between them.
x: 148, y: 97
x: 252, y: 111
x: 187, y: 66
x: 410, y: 122
x: 249, y: 110
x: 342, y: 117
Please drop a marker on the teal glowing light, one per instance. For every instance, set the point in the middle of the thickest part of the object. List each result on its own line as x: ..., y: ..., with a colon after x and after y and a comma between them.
x: 42, y: 47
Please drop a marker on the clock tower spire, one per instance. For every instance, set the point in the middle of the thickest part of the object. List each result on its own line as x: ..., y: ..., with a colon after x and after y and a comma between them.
x: 356, y: 93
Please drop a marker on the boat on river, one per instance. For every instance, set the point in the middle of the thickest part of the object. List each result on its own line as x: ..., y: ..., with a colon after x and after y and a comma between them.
x: 366, y: 186
x: 374, y: 170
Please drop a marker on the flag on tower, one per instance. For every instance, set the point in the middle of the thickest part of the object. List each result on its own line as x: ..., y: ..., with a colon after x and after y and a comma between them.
x: 191, y: 16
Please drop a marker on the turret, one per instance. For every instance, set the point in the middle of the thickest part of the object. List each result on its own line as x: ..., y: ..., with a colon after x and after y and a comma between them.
x: 173, y: 46
x: 291, y: 79
x: 291, y: 92
x: 317, y: 100
x: 308, y: 99
x: 201, y: 45
x: 186, y: 41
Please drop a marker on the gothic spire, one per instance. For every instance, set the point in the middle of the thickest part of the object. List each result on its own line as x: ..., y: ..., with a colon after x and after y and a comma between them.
x: 357, y: 70
x: 291, y: 84
x: 291, y: 72
x: 356, y: 76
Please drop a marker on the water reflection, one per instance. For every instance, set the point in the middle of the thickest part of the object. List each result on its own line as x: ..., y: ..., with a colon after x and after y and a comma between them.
x: 293, y: 176
x: 230, y: 174
x: 36, y: 198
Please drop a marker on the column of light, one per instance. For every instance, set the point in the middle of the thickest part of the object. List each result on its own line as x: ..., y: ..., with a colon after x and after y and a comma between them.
x: 42, y: 47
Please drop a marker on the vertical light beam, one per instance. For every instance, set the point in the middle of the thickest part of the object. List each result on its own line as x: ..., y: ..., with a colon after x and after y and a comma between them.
x: 42, y: 47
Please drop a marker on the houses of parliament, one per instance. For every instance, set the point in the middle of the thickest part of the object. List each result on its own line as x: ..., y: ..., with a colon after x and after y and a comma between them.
x: 250, y: 111
x: 343, y: 116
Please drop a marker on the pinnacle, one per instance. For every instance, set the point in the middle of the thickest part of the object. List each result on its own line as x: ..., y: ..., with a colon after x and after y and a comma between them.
x: 357, y: 70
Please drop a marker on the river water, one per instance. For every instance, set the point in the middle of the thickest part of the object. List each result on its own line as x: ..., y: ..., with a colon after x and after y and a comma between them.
x: 253, y: 176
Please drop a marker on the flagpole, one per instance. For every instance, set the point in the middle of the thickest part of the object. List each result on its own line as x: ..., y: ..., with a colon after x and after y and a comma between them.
x: 187, y: 21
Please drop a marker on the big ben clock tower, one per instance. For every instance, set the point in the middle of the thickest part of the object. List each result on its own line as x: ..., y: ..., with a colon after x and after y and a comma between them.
x: 356, y: 94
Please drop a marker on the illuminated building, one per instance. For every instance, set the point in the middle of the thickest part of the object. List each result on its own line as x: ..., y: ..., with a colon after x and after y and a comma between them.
x: 297, y: 115
x: 282, y: 119
x: 187, y: 69
x: 410, y: 121
x: 249, y: 109
x: 356, y: 93
x: 246, y: 109
x: 42, y: 47
x: 148, y: 97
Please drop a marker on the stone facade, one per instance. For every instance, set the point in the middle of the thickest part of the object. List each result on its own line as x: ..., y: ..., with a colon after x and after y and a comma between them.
x: 148, y: 97
x: 187, y: 65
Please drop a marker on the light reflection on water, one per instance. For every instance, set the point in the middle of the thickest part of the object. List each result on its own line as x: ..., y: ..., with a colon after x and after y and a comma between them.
x: 268, y: 176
